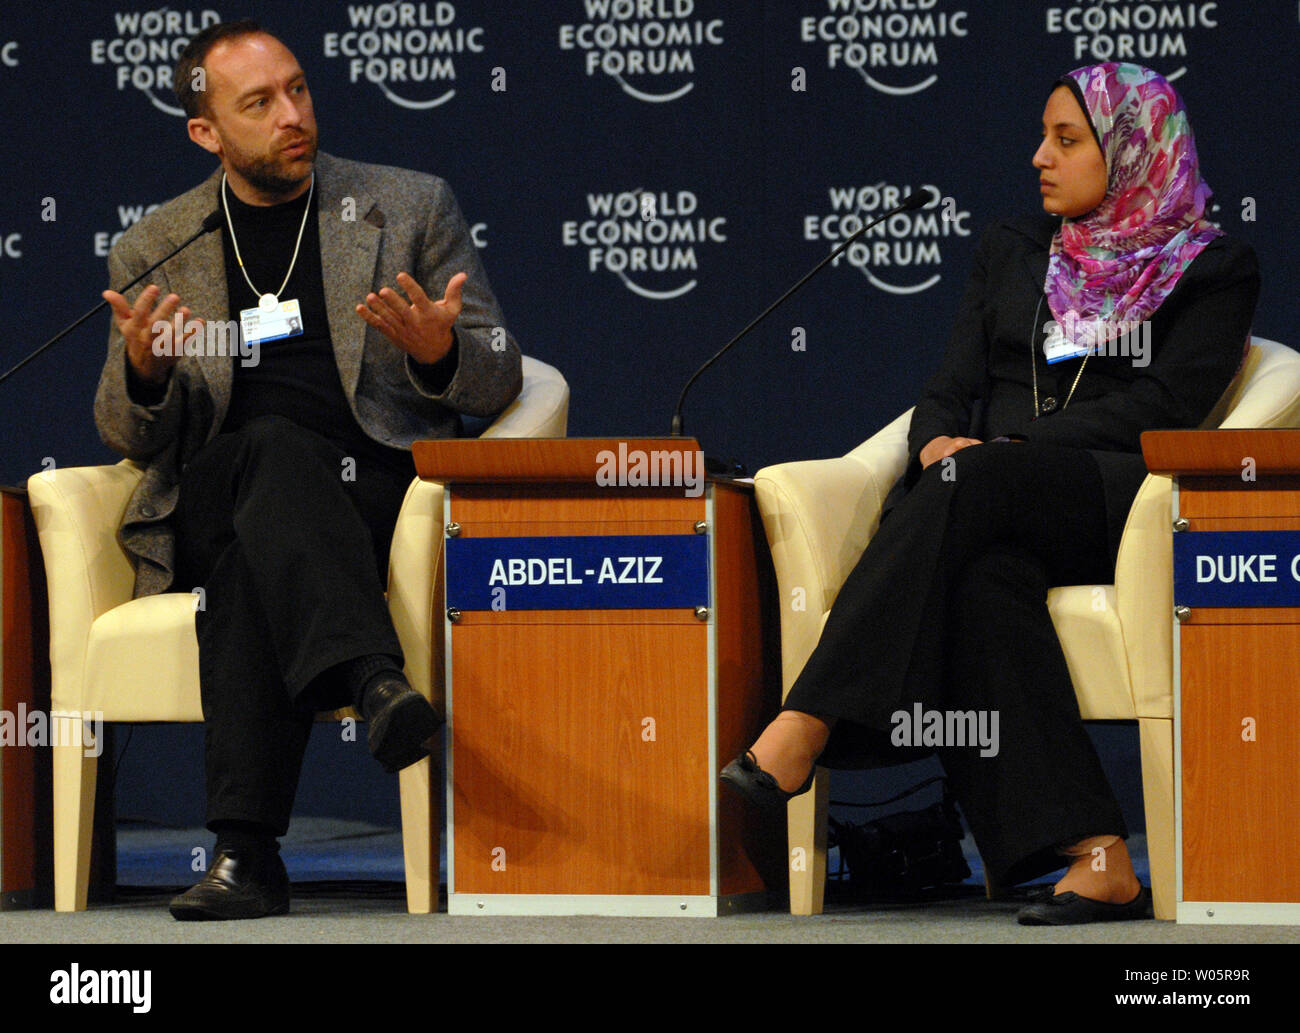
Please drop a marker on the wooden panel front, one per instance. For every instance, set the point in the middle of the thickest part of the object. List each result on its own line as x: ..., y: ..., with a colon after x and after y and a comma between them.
x: 1240, y: 796
x: 1275, y: 451
x: 1244, y: 523
x: 1231, y: 497
x: 477, y: 508
x: 559, y: 784
x: 24, y: 682
x: 751, y: 846
x: 552, y: 769
x: 1202, y: 615
x: 520, y: 460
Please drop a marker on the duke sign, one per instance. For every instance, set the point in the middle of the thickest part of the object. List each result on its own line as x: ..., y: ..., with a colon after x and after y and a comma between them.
x: 1237, y: 568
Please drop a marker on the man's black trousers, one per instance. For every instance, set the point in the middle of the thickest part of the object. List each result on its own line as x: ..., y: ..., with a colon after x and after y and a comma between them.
x: 288, y: 536
x: 947, y: 607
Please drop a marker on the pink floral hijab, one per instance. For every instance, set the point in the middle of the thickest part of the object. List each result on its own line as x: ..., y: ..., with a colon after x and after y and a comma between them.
x: 1121, y: 260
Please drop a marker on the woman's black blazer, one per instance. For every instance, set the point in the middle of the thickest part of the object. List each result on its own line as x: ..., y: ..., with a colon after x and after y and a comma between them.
x: 984, y: 389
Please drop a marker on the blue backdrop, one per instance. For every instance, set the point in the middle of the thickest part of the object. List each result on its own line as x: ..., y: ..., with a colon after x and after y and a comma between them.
x: 756, y: 133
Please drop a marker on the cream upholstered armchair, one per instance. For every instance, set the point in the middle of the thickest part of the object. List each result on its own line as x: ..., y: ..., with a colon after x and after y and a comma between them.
x: 820, y: 514
x: 138, y: 659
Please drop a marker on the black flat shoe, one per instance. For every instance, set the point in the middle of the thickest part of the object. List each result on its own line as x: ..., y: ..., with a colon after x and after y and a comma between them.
x: 757, y: 786
x: 236, y: 888
x: 1072, y: 909
x: 401, y: 722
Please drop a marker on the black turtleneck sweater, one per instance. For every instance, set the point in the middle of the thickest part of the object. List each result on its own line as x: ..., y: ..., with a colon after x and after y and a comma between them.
x: 295, y: 377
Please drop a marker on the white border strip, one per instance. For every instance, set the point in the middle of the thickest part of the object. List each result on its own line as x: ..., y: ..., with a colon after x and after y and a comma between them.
x: 448, y: 813
x: 1178, y: 727
x: 711, y: 659
x: 4, y: 560
x: 602, y: 904
x: 1237, y: 913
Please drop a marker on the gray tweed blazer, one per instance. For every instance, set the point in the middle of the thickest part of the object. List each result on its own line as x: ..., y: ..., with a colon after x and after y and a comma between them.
x: 400, y: 221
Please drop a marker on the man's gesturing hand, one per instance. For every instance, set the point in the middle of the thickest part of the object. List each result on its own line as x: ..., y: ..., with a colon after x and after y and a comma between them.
x: 422, y: 328
x: 136, y: 324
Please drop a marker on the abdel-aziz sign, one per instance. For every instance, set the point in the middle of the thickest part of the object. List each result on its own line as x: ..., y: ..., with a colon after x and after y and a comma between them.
x: 1237, y: 568
x: 595, y: 572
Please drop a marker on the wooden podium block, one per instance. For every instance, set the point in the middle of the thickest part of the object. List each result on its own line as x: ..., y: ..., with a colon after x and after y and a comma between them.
x: 1240, y: 809
x: 584, y: 745
x: 1236, y: 673
x: 26, y: 872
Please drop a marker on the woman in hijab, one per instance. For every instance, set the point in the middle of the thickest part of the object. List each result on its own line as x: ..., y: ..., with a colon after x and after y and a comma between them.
x: 1121, y: 310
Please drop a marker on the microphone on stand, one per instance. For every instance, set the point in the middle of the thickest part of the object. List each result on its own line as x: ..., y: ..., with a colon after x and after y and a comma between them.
x: 910, y: 203
x: 209, y: 224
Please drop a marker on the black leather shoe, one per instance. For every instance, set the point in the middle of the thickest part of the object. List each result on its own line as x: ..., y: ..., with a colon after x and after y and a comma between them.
x: 401, y: 722
x: 757, y: 786
x: 1072, y: 909
x: 236, y: 888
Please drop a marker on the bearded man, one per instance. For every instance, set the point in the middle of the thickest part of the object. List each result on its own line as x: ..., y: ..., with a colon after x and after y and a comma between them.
x: 275, y: 483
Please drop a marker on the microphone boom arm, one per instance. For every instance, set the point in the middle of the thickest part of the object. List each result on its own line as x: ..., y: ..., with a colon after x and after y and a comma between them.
x: 209, y: 224
x: 910, y: 203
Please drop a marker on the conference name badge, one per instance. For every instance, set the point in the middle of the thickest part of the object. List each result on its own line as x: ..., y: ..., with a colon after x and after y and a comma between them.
x: 259, y: 326
x: 1058, y: 348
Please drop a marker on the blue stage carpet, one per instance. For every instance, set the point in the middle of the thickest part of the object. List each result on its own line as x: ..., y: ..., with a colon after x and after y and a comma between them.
x: 334, y: 850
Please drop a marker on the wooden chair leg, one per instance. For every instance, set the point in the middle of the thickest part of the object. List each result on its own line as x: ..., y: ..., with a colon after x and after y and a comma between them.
x: 1157, y: 740
x: 75, y: 775
x: 806, y: 818
x: 421, y: 832
x: 994, y: 890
